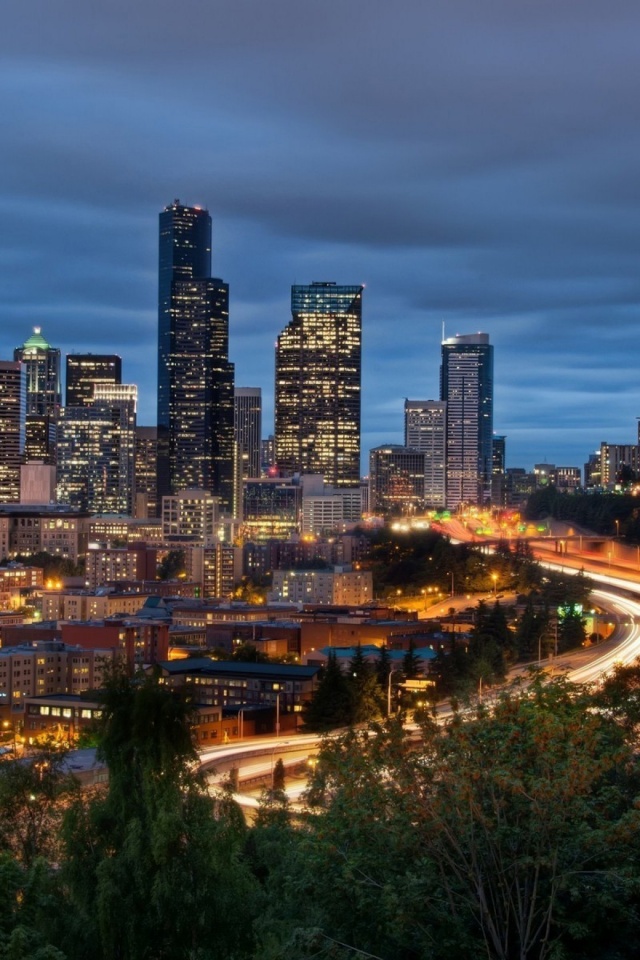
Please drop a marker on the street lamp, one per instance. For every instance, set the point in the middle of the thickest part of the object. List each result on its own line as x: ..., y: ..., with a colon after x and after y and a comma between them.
x: 391, y: 673
x: 241, y: 723
x: 450, y: 573
x: 494, y: 577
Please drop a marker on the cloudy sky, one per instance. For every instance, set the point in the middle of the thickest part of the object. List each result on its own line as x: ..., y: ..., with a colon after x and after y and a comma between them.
x: 473, y: 163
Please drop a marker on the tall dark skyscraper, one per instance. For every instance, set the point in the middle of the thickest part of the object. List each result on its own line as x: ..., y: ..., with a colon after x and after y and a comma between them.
x: 13, y: 401
x: 318, y: 379
x: 466, y: 384
x: 195, y: 378
x: 248, y: 429
x: 86, y: 369
x: 41, y: 364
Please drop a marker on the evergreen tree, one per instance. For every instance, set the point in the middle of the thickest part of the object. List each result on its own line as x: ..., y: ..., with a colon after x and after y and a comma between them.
x: 278, y: 775
x: 571, y: 632
x: 330, y: 706
x: 152, y: 866
x: 412, y: 666
x: 383, y: 668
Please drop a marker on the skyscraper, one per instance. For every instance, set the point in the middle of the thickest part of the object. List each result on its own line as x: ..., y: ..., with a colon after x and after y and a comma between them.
x: 425, y: 429
x: 96, y: 451
x: 248, y: 429
x: 13, y: 397
x: 146, y: 499
x: 466, y: 385
x: 396, y: 480
x: 317, y: 389
x: 86, y: 369
x: 41, y: 363
x: 195, y: 378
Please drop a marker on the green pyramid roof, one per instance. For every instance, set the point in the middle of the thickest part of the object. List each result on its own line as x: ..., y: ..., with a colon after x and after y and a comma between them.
x: 36, y: 341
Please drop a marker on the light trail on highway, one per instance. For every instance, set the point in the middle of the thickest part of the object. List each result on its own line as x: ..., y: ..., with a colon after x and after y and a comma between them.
x: 624, y: 651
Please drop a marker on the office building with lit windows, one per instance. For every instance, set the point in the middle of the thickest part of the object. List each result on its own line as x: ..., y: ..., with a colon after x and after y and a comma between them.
x: 195, y: 378
x: 248, y: 429
x: 84, y: 370
x: 13, y: 399
x: 425, y: 429
x: 96, y: 451
x: 396, y: 481
x: 466, y: 386
x: 146, y: 496
x: 41, y: 364
x: 318, y: 384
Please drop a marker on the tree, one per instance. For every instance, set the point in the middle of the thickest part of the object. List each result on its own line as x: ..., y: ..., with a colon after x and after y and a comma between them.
x: 33, y: 794
x: 248, y: 653
x: 172, y: 565
x: 532, y: 626
x: 411, y: 663
x: 152, y: 866
x: 29, y: 906
x: 383, y: 668
x: 330, y: 704
x: 571, y: 632
x: 513, y: 835
x: 364, y: 689
x: 278, y: 775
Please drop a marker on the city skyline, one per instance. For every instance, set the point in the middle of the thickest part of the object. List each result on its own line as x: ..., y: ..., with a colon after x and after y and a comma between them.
x: 472, y: 166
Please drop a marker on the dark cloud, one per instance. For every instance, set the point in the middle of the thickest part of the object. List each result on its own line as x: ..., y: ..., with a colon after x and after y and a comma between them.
x: 471, y: 163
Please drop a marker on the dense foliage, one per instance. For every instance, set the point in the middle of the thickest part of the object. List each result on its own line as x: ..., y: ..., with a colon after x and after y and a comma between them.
x: 511, y: 834
x: 412, y: 561
x: 594, y: 511
x: 53, y: 566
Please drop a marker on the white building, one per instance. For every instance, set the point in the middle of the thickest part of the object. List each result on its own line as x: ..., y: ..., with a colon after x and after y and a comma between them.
x: 339, y: 587
x: 425, y: 429
x: 191, y: 514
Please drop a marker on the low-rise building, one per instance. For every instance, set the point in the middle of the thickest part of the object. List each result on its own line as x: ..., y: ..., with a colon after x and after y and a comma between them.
x: 340, y: 585
x: 48, y: 667
x: 223, y: 683
x: 89, y: 605
x: 105, y: 564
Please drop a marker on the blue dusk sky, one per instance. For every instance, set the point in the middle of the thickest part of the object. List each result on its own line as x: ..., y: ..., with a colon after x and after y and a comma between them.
x: 475, y: 164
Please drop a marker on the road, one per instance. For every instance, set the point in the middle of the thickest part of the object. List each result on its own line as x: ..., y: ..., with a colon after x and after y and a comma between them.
x: 582, y: 666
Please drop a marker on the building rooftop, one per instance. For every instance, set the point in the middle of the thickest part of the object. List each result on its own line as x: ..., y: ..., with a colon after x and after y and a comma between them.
x: 36, y: 342
x: 371, y: 650
x: 205, y: 665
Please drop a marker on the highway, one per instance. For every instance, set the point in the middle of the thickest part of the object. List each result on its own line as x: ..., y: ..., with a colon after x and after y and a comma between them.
x: 254, y: 759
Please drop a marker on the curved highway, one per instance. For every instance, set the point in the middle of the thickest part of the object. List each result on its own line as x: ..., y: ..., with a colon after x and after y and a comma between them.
x: 256, y: 758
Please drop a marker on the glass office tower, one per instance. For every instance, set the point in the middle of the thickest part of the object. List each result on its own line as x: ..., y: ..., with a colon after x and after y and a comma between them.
x: 466, y: 385
x: 318, y: 384
x: 195, y: 378
x: 41, y: 364
x: 85, y: 370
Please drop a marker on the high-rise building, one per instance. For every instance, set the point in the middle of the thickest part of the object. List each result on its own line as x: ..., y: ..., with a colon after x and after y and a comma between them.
x: 619, y: 463
x: 86, y: 369
x: 267, y: 454
x: 248, y: 429
x: 146, y: 499
x: 195, y: 378
x: 498, y: 471
x: 466, y: 385
x: 13, y: 399
x: 425, y: 429
x: 317, y: 388
x: 96, y: 451
x: 396, y: 480
x: 42, y: 368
